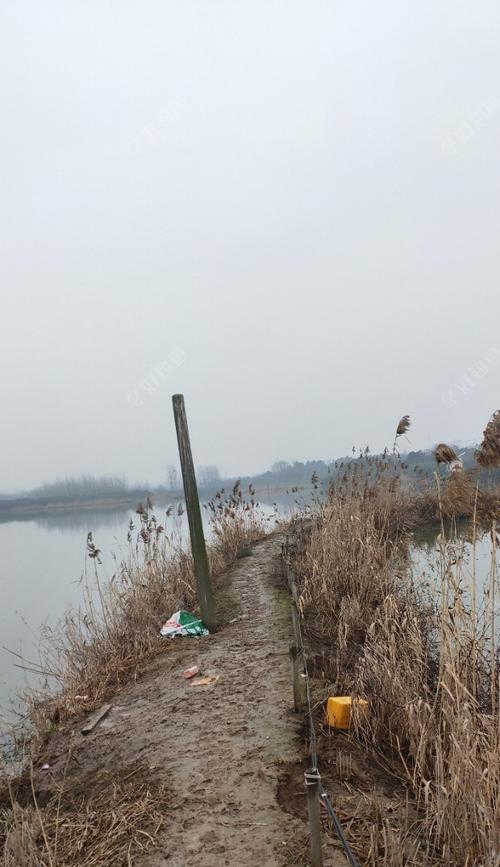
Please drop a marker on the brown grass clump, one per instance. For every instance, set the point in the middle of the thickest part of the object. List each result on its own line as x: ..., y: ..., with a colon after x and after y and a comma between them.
x: 488, y: 454
x: 78, y: 832
x: 459, y: 495
x: 19, y: 839
x: 236, y: 523
x: 343, y: 543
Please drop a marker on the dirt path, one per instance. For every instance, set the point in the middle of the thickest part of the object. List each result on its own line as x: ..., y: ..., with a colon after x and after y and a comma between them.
x: 219, y: 750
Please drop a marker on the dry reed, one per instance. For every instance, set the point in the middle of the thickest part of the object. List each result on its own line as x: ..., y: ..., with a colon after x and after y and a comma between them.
x: 426, y: 662
x: 109, y: 828
x: 445, y: 454
x: 488, y: 454
x: 403, y: 425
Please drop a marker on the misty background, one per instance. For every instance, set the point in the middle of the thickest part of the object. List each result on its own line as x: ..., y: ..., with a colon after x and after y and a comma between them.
x: 286, y: 211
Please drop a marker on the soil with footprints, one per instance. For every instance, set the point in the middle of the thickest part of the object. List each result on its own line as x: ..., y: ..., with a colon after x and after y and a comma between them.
x: 221, y: 749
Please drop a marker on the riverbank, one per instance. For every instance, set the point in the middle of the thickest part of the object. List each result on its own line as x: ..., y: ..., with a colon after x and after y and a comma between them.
x: 424, y: 658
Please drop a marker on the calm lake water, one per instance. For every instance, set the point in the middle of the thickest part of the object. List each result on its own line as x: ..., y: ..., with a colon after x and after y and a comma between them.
x: 425, y: 558
x: 43, y: 566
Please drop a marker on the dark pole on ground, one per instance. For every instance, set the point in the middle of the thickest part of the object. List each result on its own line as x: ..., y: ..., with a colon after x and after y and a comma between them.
x: 198, y: 546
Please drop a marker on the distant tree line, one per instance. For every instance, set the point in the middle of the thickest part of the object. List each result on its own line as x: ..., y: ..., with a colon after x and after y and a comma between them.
x: 283, y: 473
x: 411, y: 465
x: 81, y: 487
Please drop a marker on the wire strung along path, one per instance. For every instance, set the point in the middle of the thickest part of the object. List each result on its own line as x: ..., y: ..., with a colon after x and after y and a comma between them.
x: 317, y: 793
x: 219, y: 750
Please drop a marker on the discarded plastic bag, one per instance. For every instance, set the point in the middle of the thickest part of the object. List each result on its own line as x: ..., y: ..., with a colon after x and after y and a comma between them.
x: 184, y: 623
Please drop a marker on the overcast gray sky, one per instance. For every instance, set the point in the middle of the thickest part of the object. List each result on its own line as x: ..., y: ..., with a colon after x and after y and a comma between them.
x: 296, y: 202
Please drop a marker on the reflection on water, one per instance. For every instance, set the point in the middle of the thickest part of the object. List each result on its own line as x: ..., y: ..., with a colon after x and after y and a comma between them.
x: 71, y: 520
x: 76, y: 520
x: 469, y: 563
x: 44, y: 563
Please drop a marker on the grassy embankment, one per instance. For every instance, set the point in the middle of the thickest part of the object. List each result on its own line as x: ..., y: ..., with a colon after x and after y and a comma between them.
x: 94, y: 651
x: 427, y: 662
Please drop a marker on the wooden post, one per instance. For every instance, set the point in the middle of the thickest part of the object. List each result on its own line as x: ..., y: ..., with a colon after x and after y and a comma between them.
x: 313, y: 805
x: 297, y: 667
x: 198, y: 546
x: 296, y: 625
x: 298, y: 699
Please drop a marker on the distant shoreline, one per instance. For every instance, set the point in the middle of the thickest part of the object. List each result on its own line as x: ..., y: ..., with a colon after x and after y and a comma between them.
x: 36, y: 507
x: 26, y: 506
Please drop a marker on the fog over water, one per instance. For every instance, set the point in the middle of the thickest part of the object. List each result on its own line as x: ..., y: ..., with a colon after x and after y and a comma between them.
x: 287, y: 211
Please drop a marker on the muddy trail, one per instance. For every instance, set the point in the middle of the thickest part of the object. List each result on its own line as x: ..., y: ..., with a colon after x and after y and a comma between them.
x: 220, y: 751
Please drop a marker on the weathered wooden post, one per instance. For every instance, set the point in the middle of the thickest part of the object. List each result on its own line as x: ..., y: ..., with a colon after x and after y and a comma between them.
x: 198, y: 546
x: 297, y: 662
x: 298, y: 698
x: 313, y: 805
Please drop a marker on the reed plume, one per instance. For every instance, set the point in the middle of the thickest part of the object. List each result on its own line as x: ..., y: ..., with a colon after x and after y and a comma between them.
x: 445, y: 454
x: 403, y: 425
x: 488, y: 454
x: 402, y: 428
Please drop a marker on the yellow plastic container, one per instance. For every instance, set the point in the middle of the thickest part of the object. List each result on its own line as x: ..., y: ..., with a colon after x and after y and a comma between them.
x: 339, y: 708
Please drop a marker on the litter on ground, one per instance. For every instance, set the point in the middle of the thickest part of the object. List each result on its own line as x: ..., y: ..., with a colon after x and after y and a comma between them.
x: 204, y: 681
x: 183, y: 623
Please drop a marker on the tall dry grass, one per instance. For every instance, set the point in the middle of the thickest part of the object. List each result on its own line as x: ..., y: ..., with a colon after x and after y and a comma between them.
x: 426, y: 661
x: 110, y: 827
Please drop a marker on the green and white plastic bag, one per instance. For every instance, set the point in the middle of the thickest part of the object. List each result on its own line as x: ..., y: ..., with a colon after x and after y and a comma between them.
x: 184, y: 623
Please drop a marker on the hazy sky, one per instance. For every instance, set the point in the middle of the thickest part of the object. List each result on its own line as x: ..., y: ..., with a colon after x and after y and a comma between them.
x: 296, y: 202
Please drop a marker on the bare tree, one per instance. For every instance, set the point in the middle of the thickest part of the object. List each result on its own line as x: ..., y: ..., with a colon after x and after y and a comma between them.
x: 173, y: 478
x: 208, y: 476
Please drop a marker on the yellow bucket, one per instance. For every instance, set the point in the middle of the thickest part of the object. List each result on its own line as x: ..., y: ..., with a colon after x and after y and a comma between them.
x: 339, y: 709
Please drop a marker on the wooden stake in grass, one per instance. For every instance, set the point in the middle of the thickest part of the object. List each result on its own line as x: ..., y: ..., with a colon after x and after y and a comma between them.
x: 198, y: 547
